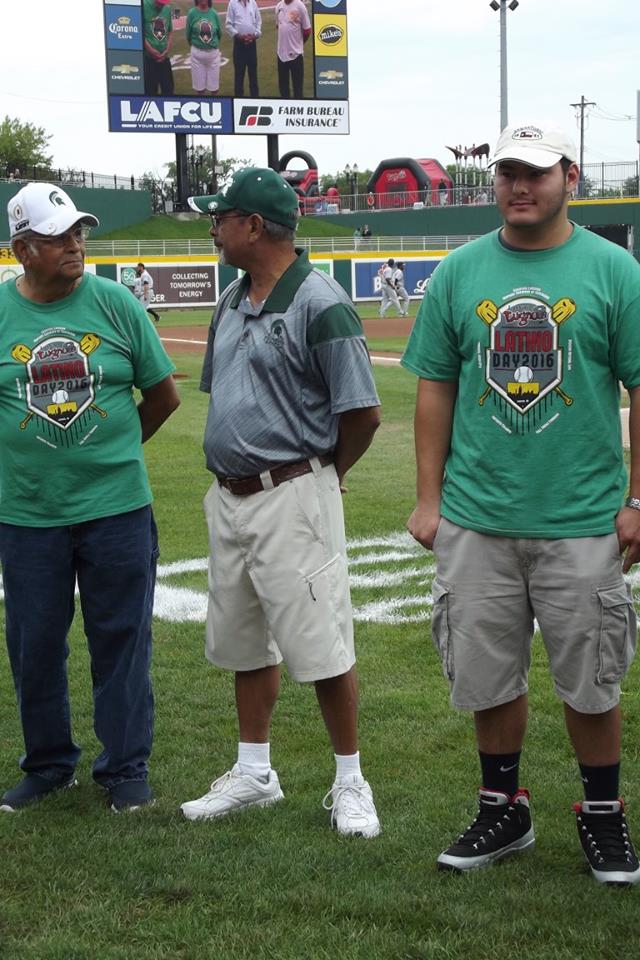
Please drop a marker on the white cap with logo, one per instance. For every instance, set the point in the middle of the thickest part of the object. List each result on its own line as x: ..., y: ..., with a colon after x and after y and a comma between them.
x: 537, y: 146
x: 46, y: 209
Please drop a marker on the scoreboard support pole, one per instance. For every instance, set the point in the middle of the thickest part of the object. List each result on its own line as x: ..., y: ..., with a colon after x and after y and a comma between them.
x: 273, y: 152
x: 182, y: 169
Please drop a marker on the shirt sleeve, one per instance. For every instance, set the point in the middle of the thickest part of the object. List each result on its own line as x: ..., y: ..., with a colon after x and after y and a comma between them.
x: 229, y: 22
x: 341, y: 359
x: 306, y: 22
x: 432, y: 351
x: 150, y: 361
x: 624, y: 338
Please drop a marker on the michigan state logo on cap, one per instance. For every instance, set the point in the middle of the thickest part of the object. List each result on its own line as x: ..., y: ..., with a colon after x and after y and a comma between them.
x: 56, y: 199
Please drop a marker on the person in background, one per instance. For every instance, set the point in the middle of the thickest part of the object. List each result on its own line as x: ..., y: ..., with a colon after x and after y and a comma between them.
x: 401, y: 290
x: 143, y: 290
x: 244, y: 24
x: 204, y: 33
x: 293, y: 28
x: 388, y: 292
x: 158, y: 38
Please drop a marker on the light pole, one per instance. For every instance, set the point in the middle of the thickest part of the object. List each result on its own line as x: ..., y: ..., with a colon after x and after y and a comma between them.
x: 504, y: 99
x: 351, y: 174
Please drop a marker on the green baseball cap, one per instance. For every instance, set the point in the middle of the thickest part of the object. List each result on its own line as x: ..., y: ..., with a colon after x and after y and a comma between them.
x: 254, y: 190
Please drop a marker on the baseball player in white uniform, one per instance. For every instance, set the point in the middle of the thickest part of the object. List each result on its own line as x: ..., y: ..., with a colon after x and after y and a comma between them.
x: 387, y: 288
x: 401, y: 290
x: 144, y: 290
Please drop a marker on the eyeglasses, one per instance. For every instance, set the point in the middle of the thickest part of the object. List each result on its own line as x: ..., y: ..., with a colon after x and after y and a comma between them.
x: 78, y: 234
x: 217, y: 220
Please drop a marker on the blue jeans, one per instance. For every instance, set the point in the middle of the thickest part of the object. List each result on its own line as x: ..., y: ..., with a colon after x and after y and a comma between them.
x: 114, y: 562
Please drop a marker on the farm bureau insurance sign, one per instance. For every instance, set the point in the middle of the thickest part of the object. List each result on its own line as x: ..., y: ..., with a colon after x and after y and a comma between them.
x: 136, y: 107
x: 177, y: 284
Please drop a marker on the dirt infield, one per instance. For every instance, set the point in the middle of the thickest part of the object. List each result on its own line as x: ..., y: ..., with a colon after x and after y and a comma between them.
x: 194, y: 339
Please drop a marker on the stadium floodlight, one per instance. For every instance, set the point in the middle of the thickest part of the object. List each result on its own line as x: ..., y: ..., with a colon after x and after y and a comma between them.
x: 351, y: 175
x: 504, y: 99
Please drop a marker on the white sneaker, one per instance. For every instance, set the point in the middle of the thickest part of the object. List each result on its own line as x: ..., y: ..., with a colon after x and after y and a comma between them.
x: 233, y: 791
x: 353, y: 811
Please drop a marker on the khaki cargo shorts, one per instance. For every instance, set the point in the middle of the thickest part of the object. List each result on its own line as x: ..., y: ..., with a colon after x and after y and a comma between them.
x: 278, y: 578
x: 488, y: 591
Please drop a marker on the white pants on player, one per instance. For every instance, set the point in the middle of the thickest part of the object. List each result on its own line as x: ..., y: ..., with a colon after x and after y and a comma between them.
x: 389, y: 298
x: 403, y: 298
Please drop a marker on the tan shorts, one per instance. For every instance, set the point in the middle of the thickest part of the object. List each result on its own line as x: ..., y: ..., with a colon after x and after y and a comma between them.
x: 278, y: 578
x: 486, y: 594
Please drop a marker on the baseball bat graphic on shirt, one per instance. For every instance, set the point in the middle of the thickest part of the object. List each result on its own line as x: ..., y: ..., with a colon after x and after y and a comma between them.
x: 567, y: 399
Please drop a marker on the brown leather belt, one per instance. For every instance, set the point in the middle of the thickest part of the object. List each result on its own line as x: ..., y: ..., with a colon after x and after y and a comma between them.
x: 243, y: 486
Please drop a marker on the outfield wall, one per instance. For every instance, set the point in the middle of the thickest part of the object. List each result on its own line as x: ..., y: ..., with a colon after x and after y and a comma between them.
x: 193, y: 281
x: 114, y: 209
x: 475, y: 220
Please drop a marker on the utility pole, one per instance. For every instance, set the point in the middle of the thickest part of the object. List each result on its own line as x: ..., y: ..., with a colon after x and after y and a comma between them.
x: 582, y: 106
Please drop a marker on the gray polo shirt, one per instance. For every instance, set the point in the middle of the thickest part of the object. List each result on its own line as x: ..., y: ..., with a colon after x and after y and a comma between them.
x: 281, y: 374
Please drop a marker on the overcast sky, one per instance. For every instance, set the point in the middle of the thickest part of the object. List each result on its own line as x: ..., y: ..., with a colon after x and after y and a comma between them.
x: 422, y: 74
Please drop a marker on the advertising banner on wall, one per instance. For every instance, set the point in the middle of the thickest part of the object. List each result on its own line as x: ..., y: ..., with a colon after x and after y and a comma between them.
x: 172, y: 67
x: 366, y: 281
x: 176, y: 284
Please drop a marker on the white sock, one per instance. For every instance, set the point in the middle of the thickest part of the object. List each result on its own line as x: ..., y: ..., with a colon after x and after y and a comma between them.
x: 253, y: 759
x: 348, y: 766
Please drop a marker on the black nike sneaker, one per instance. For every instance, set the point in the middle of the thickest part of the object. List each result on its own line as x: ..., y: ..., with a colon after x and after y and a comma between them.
x: 501, y: 828
x: 604, y: 835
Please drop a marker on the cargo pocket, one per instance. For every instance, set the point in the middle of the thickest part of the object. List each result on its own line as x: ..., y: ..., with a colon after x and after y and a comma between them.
x: 618, y: 633
x: 320, y: 580
x: 440, y: 626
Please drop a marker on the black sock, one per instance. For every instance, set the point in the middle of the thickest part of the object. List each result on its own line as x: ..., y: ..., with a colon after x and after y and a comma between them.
x: 500, y: 771
x: 600, y: 783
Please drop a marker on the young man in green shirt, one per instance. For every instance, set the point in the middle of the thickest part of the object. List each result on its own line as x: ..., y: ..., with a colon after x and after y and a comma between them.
x: 520, y: 345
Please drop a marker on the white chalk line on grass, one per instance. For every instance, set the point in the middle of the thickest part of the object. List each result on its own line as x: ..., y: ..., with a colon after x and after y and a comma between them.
x: 397, y: 562
x: 397, y: 565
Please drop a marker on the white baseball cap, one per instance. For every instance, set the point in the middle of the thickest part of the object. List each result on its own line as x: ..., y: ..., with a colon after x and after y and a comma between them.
x: 46, y: 209
x: 537, y: 146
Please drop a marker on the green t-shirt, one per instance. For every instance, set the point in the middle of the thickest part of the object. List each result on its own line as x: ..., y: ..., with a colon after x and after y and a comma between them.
x: 538, y: 342
x: 157, y: 24
x: 70, y: 437
x: 203, y: 29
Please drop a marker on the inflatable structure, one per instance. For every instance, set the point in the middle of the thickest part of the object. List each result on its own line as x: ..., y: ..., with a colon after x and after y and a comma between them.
x: 403, y: 181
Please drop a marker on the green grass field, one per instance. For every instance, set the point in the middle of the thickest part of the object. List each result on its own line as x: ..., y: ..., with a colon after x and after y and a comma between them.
x: 80, y: 883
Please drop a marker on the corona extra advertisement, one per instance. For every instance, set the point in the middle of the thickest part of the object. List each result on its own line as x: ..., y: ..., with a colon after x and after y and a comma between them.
x: 226, y: 66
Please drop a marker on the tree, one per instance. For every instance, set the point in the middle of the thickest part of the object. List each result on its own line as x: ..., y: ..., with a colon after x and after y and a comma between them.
x: 341, y: 181
x: 22, y: 145
x: 201, y: 173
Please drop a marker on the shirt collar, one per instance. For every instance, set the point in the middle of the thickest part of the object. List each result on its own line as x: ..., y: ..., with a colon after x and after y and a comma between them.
x: 285, y: 289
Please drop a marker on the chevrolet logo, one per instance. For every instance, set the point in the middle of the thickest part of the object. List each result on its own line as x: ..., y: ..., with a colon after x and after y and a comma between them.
x: 331, y: 75
x: 126, y: 68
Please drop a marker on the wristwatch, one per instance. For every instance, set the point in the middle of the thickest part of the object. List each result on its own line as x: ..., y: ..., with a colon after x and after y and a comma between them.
x: 632, y: 502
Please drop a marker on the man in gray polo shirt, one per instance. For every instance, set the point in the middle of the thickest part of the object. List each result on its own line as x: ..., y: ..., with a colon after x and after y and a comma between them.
x: 293, y: 406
